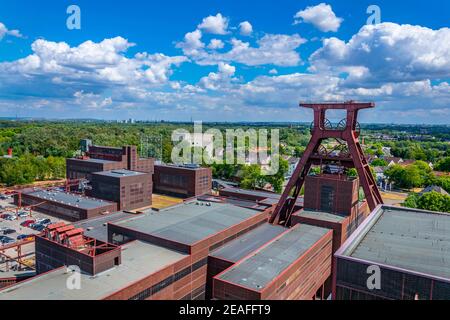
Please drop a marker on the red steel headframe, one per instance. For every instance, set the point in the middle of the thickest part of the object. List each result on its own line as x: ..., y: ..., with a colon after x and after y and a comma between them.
x: 320, y: 132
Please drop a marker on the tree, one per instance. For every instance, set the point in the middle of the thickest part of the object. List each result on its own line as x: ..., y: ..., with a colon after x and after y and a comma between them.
x: 443, y: 164
x: 411, y: 201
x: 412, y: 176
x: 277, y: 179
x: 298, y: 152
x: 379, y: 163
x: 223, y: 171
x: 434, y: 201
x: 252, y: 177
x: 443, y: 182
x: 352, y: 172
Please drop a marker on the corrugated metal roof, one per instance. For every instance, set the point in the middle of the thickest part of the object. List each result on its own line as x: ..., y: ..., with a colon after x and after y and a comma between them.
x: 259, y: 269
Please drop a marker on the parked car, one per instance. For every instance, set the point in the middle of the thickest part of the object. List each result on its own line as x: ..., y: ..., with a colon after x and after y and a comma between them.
x: 37, y: 226
x: 27, y: 223
x: 43, y: 221
x: 11, y: 217
x: 24, y: 237
x: 4, y: 215
x: 6, y: 240
x: 40, y: 227
x: 33, y: 225
x: 8, y: 231
x: 23, y: 214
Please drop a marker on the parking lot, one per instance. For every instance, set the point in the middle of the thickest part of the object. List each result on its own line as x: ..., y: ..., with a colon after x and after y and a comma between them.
x: 7, y: 207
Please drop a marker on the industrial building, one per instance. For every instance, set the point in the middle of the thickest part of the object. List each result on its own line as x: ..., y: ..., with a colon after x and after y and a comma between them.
x: 141, y: 263
x: 155, y: 255
x: 226, y: 256
x: 410, y: 247
x: 64, y: 205
x: 99, y: 158
x: 293, y: 266
x: 186, y: 181
x: 255, y: 195
x: 244, y: 244
x: 64, y: 245
x: 129, y: 189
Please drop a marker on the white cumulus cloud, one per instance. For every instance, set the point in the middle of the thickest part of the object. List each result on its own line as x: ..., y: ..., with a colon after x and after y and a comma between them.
x: 219, y: 80
x: 387, y: 52
x: 217, y: 24
x: 4, y: 31
x: 192, y: 43
x: 215, y: 44
x: 245, y: 28
x: 57, y: 69
x: 276, y: 49
x: 320, y: 16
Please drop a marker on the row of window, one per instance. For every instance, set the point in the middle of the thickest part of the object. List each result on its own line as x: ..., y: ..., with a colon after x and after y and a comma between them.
x: 169, y: 280
x: 173, y: 180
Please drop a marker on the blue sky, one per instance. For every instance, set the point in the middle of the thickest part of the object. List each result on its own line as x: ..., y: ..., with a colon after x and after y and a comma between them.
x: 155, y: 60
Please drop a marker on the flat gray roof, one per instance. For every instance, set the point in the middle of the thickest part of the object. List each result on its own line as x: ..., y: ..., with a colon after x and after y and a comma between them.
x: 415, y: 240
x: 258, y: 270
x: 97, y: 227
x: 72, y: 199
x: 139, y: 260
x: 94, y: 160
x: 241, y: 247
x: 325, y: 216
x: 271, y: 198
x: 189, y: 222
x: 119, y: 173
x: 185, y: 167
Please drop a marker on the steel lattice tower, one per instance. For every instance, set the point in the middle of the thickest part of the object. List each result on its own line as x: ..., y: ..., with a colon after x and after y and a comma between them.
x: 346, y: 133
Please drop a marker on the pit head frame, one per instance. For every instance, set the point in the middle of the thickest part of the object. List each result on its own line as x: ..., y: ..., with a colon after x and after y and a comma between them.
x: 346, y: 133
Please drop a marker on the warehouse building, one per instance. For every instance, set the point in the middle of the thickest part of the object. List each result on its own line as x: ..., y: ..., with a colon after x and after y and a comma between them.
x: 129, y: 189
x: 99, y: 158
x: 185, y: 181
x: 141, y: 264
x: 64, y: 205
x: 226, y: 256
x: 83, y: 168
x: 163, y: 253
x: 295, y: 265
x: 410, y: 247
x: 65, y: 245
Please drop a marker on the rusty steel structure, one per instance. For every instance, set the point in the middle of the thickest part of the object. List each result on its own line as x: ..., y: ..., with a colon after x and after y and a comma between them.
x: 348, y: 154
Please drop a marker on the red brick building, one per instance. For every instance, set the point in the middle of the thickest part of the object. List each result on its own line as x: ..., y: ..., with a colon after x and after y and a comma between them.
x: 129, y: 189
x: 184, y: 181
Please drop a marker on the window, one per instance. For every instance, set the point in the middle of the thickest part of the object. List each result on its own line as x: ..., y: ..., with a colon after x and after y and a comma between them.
x: 326, y: 198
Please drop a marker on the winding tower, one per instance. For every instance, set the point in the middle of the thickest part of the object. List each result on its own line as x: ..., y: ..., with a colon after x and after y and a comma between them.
x: 346, y: 153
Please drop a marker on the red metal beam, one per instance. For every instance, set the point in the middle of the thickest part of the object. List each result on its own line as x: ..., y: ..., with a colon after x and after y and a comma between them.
x: 320, y: 132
